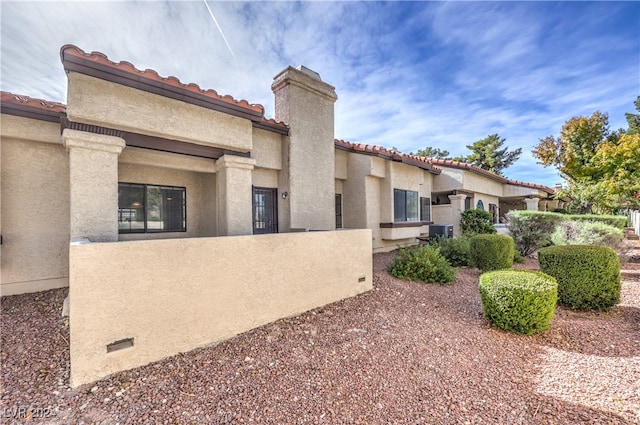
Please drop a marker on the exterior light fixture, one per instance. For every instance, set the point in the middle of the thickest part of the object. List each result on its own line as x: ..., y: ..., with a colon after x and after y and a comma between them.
x: 284, y: 195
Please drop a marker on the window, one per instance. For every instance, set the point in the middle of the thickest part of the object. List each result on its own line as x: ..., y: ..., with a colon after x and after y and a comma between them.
x: 338, y: 211
x: 425, y: 209
x: 467, y: 203
x: 405, y: 205
x: 146, y: 208
x: 480, y: 205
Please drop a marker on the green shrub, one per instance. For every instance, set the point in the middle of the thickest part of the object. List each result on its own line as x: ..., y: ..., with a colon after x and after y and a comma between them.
x: 492, y: 252
x: 457, y: 251
x: 618, y: 221
x: 588, y: 276
x: 587, y: 233
x: 518, y: 300
x: 517, y: 258
x: 423, y: 264
x: 531, y: 230
x: 477, y: 222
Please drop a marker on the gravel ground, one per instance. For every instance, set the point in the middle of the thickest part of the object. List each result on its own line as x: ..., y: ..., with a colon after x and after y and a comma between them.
x: 403, y: 353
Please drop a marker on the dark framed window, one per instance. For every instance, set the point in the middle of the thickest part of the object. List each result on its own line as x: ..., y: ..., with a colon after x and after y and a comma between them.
x: 467, y: 203
x: 425, y: 209
x: 405, y: 205
x: 146, y: 208
x: 338, y: 210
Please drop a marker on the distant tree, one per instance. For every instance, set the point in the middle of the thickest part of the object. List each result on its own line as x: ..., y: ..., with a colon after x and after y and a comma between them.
x: 431, y: 152
x: 602, y: 168
x: 572, y: 153
x: 489, y: 155
x: 634, y: 119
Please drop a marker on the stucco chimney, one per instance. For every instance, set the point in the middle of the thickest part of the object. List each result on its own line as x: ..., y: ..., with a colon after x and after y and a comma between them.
x: 306, y: 104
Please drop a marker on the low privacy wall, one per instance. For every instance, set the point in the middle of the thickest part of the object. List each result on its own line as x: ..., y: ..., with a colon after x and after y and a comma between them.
x: 132, y: 303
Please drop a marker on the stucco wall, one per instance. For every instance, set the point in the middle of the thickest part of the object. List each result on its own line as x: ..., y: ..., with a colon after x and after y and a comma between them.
x: 267, y: 149
x: 94, y: 101
x: 34, y: 210
x: 172, y: 296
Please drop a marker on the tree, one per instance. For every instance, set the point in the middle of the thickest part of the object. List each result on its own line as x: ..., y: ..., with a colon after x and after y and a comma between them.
x: 488, y: 155
x: 572, y: 153
x: 431, y: 152
x: 634, y: 119
x: 601, y: 167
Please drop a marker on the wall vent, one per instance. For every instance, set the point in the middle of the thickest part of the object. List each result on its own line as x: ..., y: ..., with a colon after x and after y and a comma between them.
x: 120, y: 345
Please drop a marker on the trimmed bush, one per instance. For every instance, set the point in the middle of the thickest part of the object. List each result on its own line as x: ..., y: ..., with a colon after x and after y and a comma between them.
x: 588, y: 276
x: 531, y: 230
x: 457, y: 251
x: 477, y: 222
x: 587, y: 233
x: 618, y: 221
x: 422, y: 264
x: 492, y: 252
x: 521, y: 301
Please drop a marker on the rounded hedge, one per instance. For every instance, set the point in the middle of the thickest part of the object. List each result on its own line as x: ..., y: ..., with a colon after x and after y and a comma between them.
x: 520, y: 301
x: 492, y: 252
x: 588, y: 276
x: 422, y: 263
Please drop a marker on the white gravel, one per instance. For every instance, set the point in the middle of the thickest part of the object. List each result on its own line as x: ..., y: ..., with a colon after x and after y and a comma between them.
x: 403, y: 353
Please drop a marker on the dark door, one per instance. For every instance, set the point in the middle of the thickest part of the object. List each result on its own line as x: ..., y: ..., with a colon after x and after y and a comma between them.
x: 265, y: 210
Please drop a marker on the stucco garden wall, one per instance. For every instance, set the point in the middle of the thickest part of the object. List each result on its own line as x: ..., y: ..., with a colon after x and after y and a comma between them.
x: 172, y: 296
x: 34, y: 212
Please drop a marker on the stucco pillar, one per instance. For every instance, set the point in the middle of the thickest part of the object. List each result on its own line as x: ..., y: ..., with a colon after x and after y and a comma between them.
x: 457, y: 208
x: 234, y: 192
x: 93, y: 175
x: 306, y: 104
x: 532, y: 204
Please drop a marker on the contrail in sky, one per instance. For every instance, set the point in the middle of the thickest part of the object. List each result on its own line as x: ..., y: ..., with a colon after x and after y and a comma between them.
x: 219, y: 29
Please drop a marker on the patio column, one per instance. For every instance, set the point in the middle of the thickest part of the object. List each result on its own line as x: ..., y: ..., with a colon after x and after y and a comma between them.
x: 532, y: 204
x: 234, y: 193
x: 457, y: 208
x: 93, y: 174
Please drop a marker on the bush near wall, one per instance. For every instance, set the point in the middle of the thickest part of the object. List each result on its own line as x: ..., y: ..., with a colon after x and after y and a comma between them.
x: 423, y: 264
x: 588, y: 276
x: 457, y: 250
x: 618, y: 221
x: 532, y: 230
x: 518, y: 300
x: 477, y: 222
x: 492, y: 252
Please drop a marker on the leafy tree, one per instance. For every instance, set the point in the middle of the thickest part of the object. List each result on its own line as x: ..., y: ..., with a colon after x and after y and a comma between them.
x: 601, y: 167
x: 488, y: 154
x: 431, y: 152
x: 634, y: 119
x: 572, y: 153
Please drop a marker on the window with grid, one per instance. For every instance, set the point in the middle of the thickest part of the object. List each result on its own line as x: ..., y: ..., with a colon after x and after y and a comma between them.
x: 146, y: 208
x: 405, y: 205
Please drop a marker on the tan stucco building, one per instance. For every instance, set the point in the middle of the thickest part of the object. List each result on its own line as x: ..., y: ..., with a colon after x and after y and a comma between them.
x: 144, y: 195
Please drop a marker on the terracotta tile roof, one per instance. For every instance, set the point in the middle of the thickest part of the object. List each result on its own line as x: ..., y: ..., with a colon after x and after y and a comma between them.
x: 98, y: 65
x: 382, y: 152
x: 435, y: 163
x: 17, y: 104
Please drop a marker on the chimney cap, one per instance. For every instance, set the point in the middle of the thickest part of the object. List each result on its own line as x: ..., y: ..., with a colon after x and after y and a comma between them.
x: 310, y: 72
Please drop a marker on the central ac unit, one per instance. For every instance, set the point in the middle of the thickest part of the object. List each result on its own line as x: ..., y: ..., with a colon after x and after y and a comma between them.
x: 440, y: 230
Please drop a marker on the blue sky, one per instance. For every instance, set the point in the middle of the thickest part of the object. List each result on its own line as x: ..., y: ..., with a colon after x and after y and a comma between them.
x: 407, y: 74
